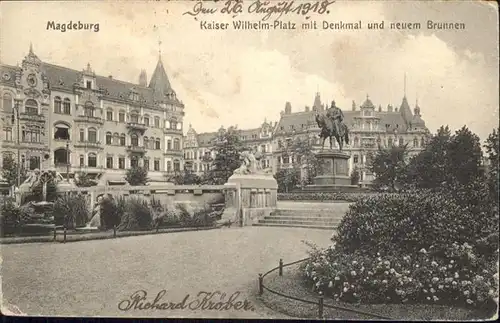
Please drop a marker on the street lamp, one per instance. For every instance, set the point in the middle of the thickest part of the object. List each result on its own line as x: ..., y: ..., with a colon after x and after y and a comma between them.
x: 67, y: 161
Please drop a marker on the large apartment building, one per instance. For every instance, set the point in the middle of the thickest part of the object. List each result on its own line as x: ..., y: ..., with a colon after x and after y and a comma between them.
x: 79, y: 122
x: 369, y: 126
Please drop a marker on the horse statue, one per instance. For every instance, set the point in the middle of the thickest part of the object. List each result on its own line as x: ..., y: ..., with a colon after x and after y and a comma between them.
x: 332, y: 126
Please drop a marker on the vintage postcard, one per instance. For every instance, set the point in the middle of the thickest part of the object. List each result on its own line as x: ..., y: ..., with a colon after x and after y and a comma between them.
x: 254, y: 159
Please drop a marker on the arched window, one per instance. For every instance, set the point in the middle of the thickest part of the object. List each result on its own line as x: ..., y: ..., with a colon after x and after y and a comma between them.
x: 57, y: 105
x: 177, y: 166
x: 157, y: 143
x: 31, y: 107
x: 134, y: 140
x: 122, y: 139
x: 109, y: 115
x: 61, y: 156
x: 415, y: 142
x: 66, y: 106
x: 7, y: 103
x: 146, y: 120
x: 169, y: 144
x: 61, y: 131
x: 177, y: 144
x: 109, y: 138
x: 173, y: 124
x: 146, y: 142
x: 121, y: 116
x: 82, y: 135
x: 92, y: 160
x: 92, y: 135
x: 89, y: 109
x: 82, y: 160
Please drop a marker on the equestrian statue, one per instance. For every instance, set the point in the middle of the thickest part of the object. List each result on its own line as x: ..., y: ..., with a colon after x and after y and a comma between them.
x: 332, y: 126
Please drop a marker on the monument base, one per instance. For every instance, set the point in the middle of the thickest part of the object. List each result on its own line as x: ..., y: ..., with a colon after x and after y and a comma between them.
x: 333, y: 173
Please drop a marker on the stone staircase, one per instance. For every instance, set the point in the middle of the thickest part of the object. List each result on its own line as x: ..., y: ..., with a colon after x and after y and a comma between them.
x: 313, y: 218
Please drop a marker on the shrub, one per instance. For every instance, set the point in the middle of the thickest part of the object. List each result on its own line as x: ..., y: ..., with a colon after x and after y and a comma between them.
x: 137, y: 216
x: 328, y: 196
x: 10, y: 217
x: 36, y: 193
x: 454, y: 275
x: 71, y: 211
x: 111, y: 211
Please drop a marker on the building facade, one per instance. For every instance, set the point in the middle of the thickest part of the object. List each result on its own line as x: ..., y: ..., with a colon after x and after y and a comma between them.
x: 80, y: 122
x: 369, y: 126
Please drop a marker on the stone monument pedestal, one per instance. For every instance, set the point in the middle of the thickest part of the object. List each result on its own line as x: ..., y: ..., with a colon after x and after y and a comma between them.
x: 257, y: 197
x: 333, y: 173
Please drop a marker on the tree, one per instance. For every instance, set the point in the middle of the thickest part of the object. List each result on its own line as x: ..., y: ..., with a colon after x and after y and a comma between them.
x: 389, y: 166
x: 227, y: 150
x: 9, y: 170
x: 355, y: 176
x: 491, y: 146
x: 304, y: 155
x: 84, y: 180
x: 186, y: 177
x: 287, y: 179
x: 137, y: 176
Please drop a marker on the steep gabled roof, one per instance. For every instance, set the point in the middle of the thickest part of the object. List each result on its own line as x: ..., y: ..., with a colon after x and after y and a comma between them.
x: 160, y: 84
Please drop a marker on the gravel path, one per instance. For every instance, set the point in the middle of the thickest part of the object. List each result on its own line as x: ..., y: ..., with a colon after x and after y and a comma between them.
x: 91, y: 278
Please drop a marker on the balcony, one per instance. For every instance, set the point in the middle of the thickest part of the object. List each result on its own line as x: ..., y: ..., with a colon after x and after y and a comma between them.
x: 88, y: 144
x: 32, y: 117
x: 135, y: 126
x: 90, y: 119
x: 136, y: 149
x: 169, y: 131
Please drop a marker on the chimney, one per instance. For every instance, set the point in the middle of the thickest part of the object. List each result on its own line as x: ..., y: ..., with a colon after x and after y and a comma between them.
x: 288, y: 108
x: 389, y: 108
x: 307, y: 109
x: 110, y: 76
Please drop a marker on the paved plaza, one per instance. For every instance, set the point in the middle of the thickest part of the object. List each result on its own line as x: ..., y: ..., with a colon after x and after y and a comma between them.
x: 92, y: 277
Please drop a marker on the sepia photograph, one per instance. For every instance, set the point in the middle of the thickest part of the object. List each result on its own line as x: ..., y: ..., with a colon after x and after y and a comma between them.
x: 250, y: 159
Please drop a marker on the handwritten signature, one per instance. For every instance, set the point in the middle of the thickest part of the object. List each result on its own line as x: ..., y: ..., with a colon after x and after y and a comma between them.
x: 212, y: 301
x: 266, y: 8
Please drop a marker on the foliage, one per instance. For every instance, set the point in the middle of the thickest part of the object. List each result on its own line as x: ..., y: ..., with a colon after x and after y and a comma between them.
x: 227, y: 148
x: 452, y: 275
x: 84, y: 180
x: 287, y: 179
x: 389, y: 165
x: 36, y: 193
x: 10, y: 217
x: 186, y: 177
x: 355, y: 176
x: 9, y: 170
x: 111, y: 211
x: 328, y: 196
x: 304, y: 156
x: 71, y: 210
x: 491, y: 146
x: 137, y: 176
x: 137, y: 216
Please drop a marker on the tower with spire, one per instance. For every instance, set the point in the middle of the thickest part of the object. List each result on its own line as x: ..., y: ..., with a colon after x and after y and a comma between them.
x: 160, y: 84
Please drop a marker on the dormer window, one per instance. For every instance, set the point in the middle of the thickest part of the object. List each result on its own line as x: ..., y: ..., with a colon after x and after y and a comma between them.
x: 88, y: 84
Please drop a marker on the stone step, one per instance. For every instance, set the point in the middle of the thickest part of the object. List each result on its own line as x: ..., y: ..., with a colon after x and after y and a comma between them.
x: 309, y: 213
x: 302, y: 218
x: 294, y: 226
x: 301, y: 222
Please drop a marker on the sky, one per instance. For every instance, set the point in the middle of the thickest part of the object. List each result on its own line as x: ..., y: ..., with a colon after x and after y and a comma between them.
x: 229, y: 77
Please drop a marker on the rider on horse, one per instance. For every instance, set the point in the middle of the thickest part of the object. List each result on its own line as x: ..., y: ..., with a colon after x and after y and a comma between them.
x: 335, y: 114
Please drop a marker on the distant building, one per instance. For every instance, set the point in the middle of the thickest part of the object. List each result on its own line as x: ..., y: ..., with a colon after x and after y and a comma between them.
x: 77, y: 121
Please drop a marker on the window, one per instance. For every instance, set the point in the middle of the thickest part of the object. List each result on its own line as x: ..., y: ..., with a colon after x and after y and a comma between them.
x: 156, y: 165
x: 401, y: 142
x: 61, y: 156
x: 31, y: 135
x: 146, y: 121
x: 196, y: 154
x: 92, y: 135
x: 422, y: 142
x: 134, y: 140
x: 89, y: 84
x: 173, y: 124
x: 109, y: 162
x: 415, y: 142
x: 92, y: 160
x: 109, y: 138
x: 67, y: 106
x: 356, y: 159
x: 31, y: 107
x: 134, y: 118
x: 121, y: 116
x: 122, y: 139
x: 34, y: 162
x: 134, y: 162
x: 82, y: 160
x: 356, y: 142
x: 61, y: 132
x: 89, y: 109
x: 7, y: 103
x: 8, y: 134
x: 263, y: 148
x: 109, y: 115
x: 146, y: 142
x: 169, y: 144
x: 157, y: 143
x: 177, y: 166
x: 177, y: 144
x: 146, y: 164
x: 121, y: 163
x: 157, y: 122
x: 169, y: 166
x: 57, y: 105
